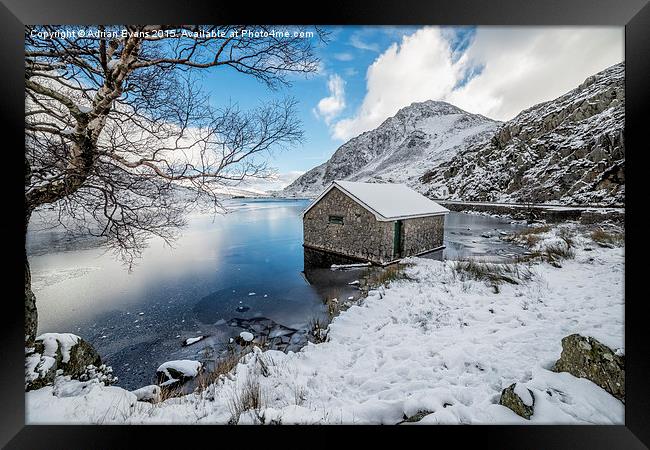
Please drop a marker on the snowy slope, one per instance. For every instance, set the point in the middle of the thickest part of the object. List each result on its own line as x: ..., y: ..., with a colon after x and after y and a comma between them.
x: 569, y: 150
x: 401, y: 149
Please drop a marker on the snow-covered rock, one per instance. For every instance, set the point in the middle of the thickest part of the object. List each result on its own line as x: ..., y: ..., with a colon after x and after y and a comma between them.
x: 246, y: 336
x: 192, y: 340
x: 149, y: 393
x: 178, y: 371
x: 54, y: 352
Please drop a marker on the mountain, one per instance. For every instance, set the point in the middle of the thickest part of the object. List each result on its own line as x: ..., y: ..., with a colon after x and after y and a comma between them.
x: 401, y: 149
x: 569, y: 150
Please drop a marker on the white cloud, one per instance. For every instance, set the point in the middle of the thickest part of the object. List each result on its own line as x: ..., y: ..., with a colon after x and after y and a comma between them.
x: 331, y: 106
x: 521, y: 66
x: 357, y: 42
x: 343, y: 56
x: 417, y: 69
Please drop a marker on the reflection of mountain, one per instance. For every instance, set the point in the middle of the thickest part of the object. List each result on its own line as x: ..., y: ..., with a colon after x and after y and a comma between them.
x: 569, y: 150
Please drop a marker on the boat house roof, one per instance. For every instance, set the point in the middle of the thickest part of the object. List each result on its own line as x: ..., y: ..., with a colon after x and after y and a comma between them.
x: 387, y: 201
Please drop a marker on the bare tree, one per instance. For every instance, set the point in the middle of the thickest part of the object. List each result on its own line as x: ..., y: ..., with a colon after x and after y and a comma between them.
x: 120, y: 139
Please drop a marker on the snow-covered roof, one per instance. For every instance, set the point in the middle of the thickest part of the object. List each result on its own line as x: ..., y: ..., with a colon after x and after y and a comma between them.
x: 387, y: 201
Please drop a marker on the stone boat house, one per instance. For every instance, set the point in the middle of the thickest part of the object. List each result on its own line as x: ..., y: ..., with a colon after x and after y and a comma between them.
x: 373, y: 222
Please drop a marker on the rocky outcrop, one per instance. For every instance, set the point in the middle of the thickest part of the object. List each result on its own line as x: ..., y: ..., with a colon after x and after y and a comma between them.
x: 568, y: 150
x: 585, y: 357
x: 55, y: 354
x: 519, y: 399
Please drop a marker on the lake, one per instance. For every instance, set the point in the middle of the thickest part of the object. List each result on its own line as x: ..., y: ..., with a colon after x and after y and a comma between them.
x: 226, y: 273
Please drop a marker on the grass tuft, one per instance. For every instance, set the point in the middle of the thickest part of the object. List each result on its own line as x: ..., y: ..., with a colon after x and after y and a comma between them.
x: 491, y: 273
x: 606, y: 238
x: 248, y: 398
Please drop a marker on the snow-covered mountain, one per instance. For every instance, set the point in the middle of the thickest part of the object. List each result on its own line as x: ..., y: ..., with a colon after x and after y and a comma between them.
x: 401, y: 149
x: 569, y: 150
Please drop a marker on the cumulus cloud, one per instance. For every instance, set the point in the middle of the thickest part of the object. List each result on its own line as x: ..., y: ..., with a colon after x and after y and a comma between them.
x: 502, y: 71
x: 331, y: 106
x: 417, y: 69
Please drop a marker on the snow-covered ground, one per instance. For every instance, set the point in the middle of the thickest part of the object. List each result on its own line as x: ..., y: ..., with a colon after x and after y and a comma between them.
x: 434, y: 342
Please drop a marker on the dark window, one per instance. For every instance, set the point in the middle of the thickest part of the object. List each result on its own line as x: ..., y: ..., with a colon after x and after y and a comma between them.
x: 336, y: 219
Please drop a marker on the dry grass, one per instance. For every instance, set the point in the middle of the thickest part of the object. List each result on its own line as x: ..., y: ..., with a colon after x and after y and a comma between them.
x: 529, y: 236
x: 248, y: 398
x: 567, y: 236
x: 606, y: 238
x: 167, y: 392
x: 535, y: 230
x: 491, y: 273
x: 552, y: 254
x: 375, y: 277
x: 317, y: 330
x: 224, y: 365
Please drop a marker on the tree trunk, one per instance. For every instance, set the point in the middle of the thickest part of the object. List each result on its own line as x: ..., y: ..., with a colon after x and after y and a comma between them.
x: 31, y: 314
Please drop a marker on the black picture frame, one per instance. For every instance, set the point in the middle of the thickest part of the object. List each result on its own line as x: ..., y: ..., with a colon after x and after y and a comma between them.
x: 633, y: 14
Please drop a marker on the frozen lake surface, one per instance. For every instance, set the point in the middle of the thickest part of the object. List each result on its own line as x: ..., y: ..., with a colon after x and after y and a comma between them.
x: 242, y: 270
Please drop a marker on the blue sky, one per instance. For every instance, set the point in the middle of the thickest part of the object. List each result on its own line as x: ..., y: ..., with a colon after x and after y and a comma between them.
x: 348, y: 52
x: 368, y: 73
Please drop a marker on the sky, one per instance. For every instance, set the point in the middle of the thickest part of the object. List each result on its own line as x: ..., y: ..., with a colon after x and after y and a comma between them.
x: 367, y: 74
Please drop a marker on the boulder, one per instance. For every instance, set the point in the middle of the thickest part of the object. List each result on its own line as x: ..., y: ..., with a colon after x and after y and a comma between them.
x: 585, y: 357
x: 519, y: 399
x: 178, y: 371
x: 58, y: 354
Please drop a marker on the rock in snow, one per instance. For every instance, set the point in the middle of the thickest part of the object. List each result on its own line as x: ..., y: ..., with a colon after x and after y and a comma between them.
x: 178, y: 371
x: 193, y: 340
x: 586, y: 357
x: 519, y: 399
